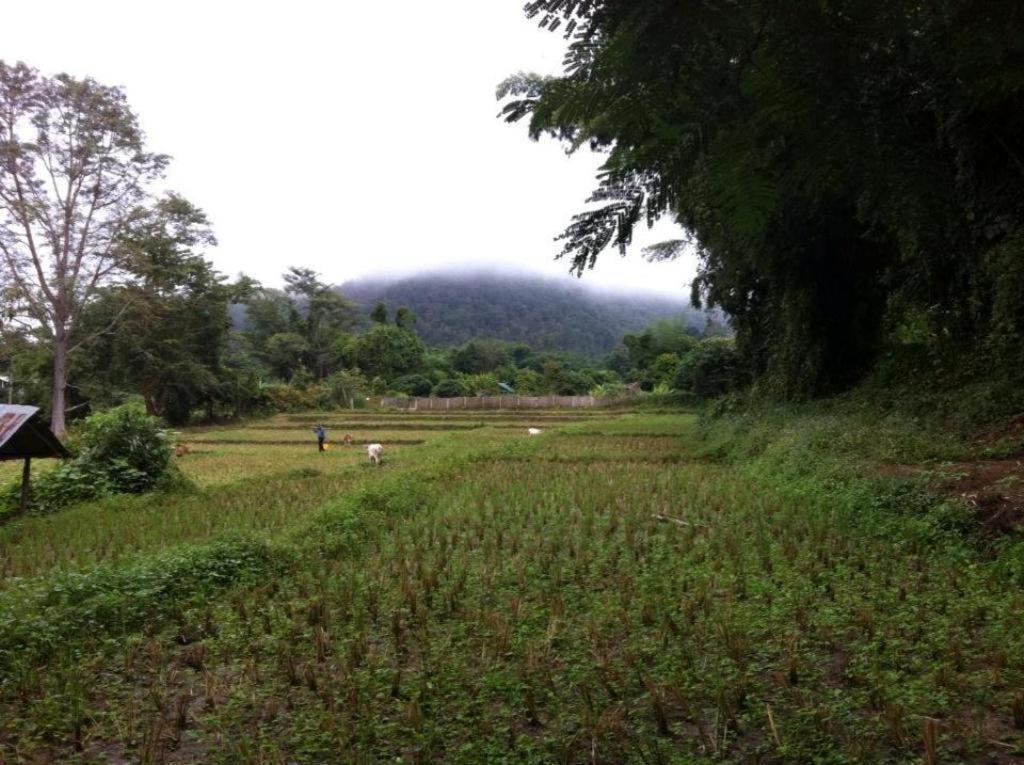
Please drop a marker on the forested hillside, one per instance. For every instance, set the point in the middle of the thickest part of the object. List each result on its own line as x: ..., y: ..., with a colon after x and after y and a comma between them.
x: 549, y: 315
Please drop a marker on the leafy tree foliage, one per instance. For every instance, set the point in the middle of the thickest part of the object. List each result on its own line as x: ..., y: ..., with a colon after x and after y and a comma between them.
x: 269, y: 312
x: 450, y: 388
x: 163, y: 332
x: 405, y: 318
x: 379, y: 314
x: 548, y: 315
x: 412, y: 385
x: 327, y: 317
x: 663, y: 370
x: 346, y: 386
x: 73, y: 169
x: 639, y: 350
x: 307, y: 326
x: 387, y: 351
x: 712, y: 368
x: 846, y: 170
x: 528, y: 382
x: 479, y: 356
x: 285, y: 352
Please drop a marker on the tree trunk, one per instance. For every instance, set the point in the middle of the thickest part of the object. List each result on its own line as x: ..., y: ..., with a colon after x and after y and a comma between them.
x: 26, y: 478
x: 60, y: 383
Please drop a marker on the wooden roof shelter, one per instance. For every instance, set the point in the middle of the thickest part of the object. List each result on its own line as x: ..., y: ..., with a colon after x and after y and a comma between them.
x: 24, y: 436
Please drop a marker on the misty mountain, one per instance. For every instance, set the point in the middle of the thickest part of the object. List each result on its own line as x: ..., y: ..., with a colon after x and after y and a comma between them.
x: 547, y: 314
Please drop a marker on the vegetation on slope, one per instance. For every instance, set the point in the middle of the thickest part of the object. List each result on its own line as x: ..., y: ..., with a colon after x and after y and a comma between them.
x: 452, y: 309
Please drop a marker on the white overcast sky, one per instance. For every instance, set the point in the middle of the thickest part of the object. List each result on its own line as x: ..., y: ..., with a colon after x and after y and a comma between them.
x: 356, y: 138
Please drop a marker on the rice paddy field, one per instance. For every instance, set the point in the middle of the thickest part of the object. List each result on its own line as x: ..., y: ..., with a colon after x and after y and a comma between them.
x: 625, y: 587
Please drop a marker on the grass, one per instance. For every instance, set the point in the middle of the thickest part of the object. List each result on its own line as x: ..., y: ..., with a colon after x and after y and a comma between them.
x: 217, y: 464
x: 335, y: 436
x: 640, y: 588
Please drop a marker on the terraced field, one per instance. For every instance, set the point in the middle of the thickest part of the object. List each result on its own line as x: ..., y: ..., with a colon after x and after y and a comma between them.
x: 621, y: 588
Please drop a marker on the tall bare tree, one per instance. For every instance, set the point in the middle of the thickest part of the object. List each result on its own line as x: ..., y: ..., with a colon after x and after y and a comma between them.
x: 73, y: 167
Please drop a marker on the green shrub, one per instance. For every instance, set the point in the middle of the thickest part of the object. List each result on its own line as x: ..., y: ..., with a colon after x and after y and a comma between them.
x: 290, y: 398
x: 130, y: 448
x: 412, y: 385
x: 664, y: 370
x: 342, y: 527
x: 609, y: 390
x: 302, y: 378
x: 449, y: 389
x: 121, y: 451
x: 38, y: 619
x: 480, y: 384
x: 528, y: 382
x: 569, y: 382
x: 712, y: 368
x: 348, y: 388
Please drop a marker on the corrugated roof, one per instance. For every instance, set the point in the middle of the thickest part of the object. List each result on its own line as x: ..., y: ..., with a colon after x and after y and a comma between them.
x: 24, y: 434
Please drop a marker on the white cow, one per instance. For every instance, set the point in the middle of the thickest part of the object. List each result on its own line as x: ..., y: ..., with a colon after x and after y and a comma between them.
x: 534, y: 431
x: 376, y: 452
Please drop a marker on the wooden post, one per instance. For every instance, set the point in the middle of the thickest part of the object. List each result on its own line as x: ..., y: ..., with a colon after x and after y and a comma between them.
x: 26, y: 477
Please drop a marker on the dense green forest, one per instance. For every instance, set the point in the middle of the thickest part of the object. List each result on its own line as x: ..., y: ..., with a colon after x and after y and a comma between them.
x: 849, y: 173
x: 190, y: 344
x: 548, y: 315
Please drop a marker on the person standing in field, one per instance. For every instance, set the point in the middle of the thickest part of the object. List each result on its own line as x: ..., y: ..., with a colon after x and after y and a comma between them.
x: 321, y: 436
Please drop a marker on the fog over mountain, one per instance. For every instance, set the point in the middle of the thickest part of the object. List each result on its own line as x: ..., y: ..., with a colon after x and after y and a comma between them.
x: 550, y: 314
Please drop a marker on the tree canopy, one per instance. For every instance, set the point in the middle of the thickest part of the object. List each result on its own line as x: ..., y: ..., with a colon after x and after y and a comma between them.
x: 850, y: 173
x: 550, y: 314
x: 164, y: 331
x: 73, y: 168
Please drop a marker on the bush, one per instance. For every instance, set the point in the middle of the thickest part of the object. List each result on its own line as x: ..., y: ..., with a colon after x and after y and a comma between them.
x: 302, y: 378
x: 121, y: 451
x: 480, y: 356
x: 664, y: 370
x: 481, y: 384
x: 348, y: 388
x: 529, y: 382
x: 38, y: 620
x: 289, y: 398
x: 131, y: 448
x: 449, y: 389
x: 712, y: 368
x: 569, y: 382
x: 412, y: 385
x: 387, y: 350
x: 609, y: 390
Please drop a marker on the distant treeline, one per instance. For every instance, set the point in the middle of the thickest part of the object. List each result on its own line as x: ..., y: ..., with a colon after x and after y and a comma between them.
x: 168, y: 338
x: 548, y: 315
